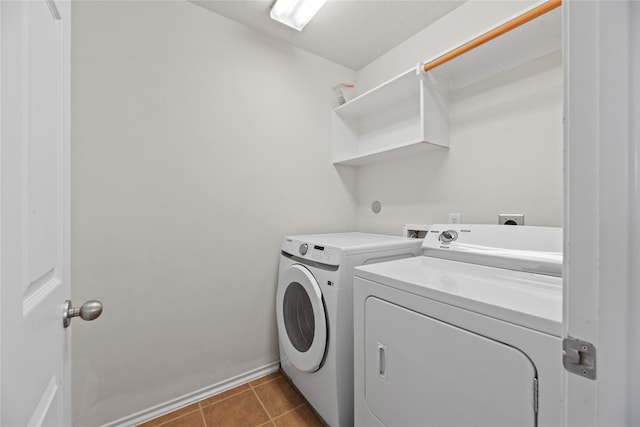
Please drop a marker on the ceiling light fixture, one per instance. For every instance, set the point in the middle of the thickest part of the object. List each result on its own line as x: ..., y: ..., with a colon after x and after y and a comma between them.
x: 295, y: 13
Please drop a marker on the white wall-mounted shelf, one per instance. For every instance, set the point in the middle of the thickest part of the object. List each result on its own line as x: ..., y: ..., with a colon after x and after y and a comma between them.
x: 409, y: 114
x: 406, y: 115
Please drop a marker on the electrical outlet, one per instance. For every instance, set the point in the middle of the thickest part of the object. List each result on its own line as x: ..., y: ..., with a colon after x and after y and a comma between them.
x: 455, y: 218
x: 511, y: 219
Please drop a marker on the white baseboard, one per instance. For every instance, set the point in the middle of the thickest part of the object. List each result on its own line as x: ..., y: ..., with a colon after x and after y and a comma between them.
x: 196, y: 396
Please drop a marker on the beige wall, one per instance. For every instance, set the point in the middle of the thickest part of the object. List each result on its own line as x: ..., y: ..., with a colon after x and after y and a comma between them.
x: 506, y: 146
x: 196, y: 145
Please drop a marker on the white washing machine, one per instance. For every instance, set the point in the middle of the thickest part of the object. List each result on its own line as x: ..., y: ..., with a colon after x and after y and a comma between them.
x: 467, y: 335
x: 314, y: 311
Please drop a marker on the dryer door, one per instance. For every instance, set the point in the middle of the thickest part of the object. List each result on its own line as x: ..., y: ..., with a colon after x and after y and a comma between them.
x: 302, y: 323
x: 420, y: 371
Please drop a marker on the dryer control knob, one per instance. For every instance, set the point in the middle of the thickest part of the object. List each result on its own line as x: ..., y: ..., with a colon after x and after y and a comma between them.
x: 448, y: 236
x: 303, y: 248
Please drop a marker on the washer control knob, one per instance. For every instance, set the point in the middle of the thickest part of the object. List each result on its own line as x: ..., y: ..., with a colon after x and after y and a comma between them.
x: 303, y: 248
x: 448, y: 236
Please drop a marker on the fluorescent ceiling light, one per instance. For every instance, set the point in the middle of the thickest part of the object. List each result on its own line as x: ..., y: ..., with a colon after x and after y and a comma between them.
x: 295, y: 13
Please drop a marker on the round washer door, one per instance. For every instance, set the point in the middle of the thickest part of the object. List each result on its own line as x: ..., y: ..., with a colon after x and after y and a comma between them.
x: 302, y: 323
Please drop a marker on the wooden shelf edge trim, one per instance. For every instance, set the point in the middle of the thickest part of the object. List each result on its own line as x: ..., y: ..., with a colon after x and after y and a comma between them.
x: 548, y: 6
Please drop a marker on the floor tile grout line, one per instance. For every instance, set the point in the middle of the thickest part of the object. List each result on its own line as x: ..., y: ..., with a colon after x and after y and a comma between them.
x: 221, y: 400
x: 253, y: 388
x: 290, y: 411
x: 263, y: 383
x: 204, y: 420
x: 262, y: 404
x: 272, y: 419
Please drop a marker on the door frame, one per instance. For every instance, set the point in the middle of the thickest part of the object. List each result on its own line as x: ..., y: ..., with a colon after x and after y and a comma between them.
x: 602, y: 204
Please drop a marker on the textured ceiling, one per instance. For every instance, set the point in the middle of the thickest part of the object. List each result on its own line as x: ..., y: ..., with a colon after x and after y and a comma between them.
x: 349, y: 32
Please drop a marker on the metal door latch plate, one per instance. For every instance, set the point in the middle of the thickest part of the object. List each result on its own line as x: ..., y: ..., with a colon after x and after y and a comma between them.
x: 579, y: 357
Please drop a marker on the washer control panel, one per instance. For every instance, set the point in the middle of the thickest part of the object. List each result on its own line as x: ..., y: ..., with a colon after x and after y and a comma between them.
x: 525, y: 248
x: 445, y: 236
x: 448, y: 236
x: 312, y: 251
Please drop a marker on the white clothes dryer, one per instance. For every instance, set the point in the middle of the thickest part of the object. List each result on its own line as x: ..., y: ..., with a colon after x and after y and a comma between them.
x: 314, y: 312
x: 467, y: 335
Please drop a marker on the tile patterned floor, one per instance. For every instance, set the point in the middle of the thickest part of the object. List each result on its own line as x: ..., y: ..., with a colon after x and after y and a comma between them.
x: 268, y: 401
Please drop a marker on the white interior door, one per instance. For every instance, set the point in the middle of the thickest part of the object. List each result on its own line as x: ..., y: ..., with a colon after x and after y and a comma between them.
x: 34, y: 213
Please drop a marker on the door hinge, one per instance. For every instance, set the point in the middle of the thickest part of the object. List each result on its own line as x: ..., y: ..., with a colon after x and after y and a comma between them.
x: 535, y: 395
x: 579, y: 357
